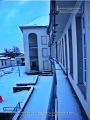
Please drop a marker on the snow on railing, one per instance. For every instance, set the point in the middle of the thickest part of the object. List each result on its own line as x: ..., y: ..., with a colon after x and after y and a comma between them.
x: 54, y: 71
x: 52, y: 62
x: 13, y: 109
x: 54, y: 87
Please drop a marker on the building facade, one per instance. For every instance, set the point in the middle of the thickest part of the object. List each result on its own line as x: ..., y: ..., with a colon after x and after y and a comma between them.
x: 5, y: 62
x: 20, y: 60
x: 13, y: 62
x: 36, y: 49
x: 69, y: 33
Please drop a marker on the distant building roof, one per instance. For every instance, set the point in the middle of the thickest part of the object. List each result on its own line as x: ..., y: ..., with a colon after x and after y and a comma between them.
x: 40, y: 21
x: 1, y: 55
x: 12, y: 59
x: 4, y: 58
x: 19, y: 57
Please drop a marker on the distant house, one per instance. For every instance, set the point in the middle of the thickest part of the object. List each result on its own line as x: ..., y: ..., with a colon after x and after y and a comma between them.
x: 36, y: 45
x: 13, y: 62
x: 5, y: 62
x: 20, y: 60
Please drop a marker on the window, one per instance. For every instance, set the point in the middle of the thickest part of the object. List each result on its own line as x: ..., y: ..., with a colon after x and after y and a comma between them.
x: 2, y: 62
x: 70, y: 50
x: 81, y: 53
x: 84, y: 50
x: 79, y: 50
x: 66, y: 53
x: 44, y: 52
x: 63, y: 52
x: 45, y: 64
x: 44, y: 40
x: 60, y: 51
x: 5, y: 63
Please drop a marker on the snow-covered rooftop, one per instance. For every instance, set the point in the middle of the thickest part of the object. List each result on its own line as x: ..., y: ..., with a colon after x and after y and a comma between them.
x: 4, y: 58
x: 1, y: 55
x: 8, y: 79
x: 12, y: 59
x: 40, y: 21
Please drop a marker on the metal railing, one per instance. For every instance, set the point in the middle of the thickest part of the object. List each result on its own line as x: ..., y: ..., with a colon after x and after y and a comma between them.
x: 15, y: 110
x: 54, y: 72
x: 53, y: 97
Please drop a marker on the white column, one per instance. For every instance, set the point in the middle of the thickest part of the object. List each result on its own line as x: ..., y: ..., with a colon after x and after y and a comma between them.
x: 68, y: 59
x: 64, y: 53
x: 26, y: 52
x: 74, y: 47
x: 61, y: 51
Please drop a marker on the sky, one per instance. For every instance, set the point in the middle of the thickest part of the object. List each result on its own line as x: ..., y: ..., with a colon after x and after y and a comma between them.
x: 15, y: 13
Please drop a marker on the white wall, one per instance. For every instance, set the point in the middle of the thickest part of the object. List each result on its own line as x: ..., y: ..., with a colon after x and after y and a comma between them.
x: 85, y: 101
x: 6, y: 63
x: 42, y: 31
x: 19, y: 59
x: 13, y: 63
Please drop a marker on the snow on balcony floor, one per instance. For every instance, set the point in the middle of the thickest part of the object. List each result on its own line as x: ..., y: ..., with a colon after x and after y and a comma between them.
x: 68, y: 108
x: 8, y: 79
x: 37, y: 106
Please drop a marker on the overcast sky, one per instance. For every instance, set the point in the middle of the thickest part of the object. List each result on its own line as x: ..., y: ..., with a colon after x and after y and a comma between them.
x: 14, y: 13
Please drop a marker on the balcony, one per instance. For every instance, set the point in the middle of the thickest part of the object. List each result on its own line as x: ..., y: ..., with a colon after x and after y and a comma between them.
x: 32, y: 45
x: 33, y: 58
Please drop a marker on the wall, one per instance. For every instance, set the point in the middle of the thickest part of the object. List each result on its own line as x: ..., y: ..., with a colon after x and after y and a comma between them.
x: 6, y: 63
x: 42, y: 60
x: 19, y: 59
x: 13, y: 63
x: 69, y: 56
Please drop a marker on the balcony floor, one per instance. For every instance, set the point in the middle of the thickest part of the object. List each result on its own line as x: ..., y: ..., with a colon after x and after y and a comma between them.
x: 68, y: 108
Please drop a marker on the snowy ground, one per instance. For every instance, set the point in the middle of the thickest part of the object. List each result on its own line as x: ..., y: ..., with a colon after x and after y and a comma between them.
x: 8, y: 79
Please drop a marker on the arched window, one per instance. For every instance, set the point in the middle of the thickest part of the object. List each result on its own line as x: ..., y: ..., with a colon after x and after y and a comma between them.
x: 32, y: 40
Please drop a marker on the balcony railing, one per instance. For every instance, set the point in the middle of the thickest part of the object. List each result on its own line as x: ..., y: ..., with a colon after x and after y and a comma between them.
x: 15, y: 110
x: 54, y: 91
x: 32, y: 45
x: 33, y: 58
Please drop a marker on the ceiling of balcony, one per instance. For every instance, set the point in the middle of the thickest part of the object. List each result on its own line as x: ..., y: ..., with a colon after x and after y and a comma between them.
x: 63, y: 16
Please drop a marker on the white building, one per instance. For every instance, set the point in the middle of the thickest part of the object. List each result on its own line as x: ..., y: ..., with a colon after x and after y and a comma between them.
x: 13, y: 62
x: 69, y: 33
x: 5, y: 62
x: 36, y: 49
x: 20, y: 60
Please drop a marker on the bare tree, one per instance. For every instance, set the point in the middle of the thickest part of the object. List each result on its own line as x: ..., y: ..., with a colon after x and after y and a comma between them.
x: 14, y: 52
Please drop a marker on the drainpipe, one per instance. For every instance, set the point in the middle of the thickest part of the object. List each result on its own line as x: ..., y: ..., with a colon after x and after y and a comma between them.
x: 56, y: 51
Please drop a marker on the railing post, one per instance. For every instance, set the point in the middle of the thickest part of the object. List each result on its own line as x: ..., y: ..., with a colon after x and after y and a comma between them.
x: 15, y: 110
